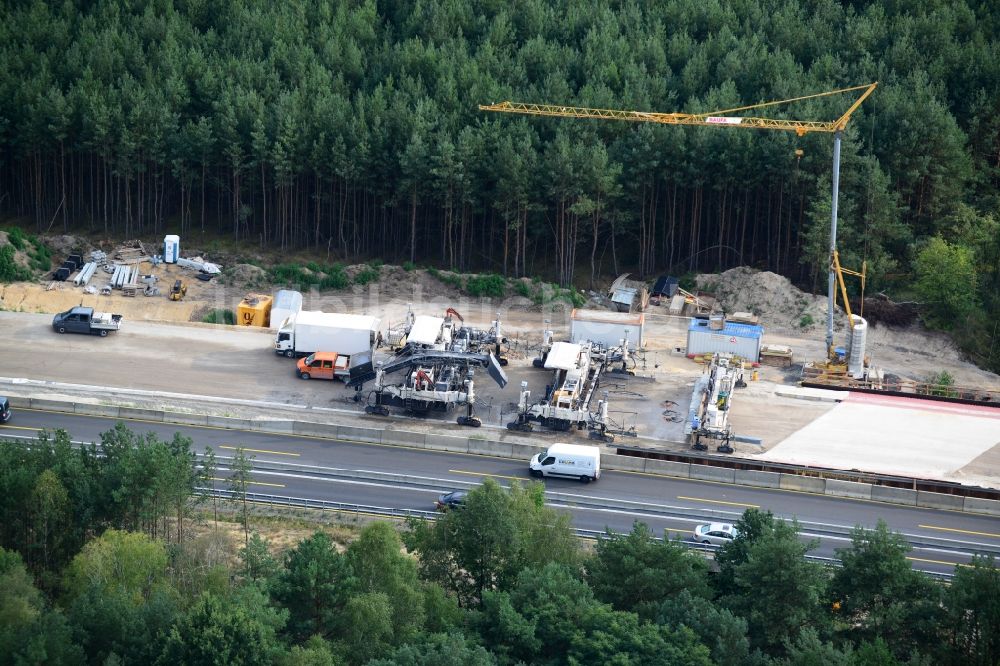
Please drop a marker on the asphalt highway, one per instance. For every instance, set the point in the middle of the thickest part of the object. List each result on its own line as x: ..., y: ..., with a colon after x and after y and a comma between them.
x: 314, y: 468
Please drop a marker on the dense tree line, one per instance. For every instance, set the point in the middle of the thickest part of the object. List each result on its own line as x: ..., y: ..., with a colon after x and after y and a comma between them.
x: 501, y: 580
x: 352, y: 128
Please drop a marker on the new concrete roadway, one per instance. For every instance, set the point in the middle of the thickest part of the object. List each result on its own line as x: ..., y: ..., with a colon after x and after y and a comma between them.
x: 403, y: 478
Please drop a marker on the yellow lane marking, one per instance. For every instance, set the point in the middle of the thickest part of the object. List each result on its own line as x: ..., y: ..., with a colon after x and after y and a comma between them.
x: 254, y: 483
x: 21, y: 427
x: 951, y: 564
x: 277, y: 453
x: 953, y: 529
x: 699, y: 499
x: 492, y: 476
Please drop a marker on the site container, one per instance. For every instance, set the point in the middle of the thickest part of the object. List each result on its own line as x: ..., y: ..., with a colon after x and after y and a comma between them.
x: 607, y: 328
x: 742, y: 340
x: 254, y: 310
x: 171, y: 248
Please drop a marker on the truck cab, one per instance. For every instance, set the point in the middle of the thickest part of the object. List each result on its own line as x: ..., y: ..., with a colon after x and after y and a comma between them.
x: 324, y: 365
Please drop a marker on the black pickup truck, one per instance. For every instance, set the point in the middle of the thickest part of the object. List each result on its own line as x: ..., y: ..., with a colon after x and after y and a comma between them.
x: 84, y: 320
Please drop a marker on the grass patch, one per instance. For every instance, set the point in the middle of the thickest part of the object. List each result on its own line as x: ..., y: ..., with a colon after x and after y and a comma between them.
x: 491, y: 284
x: 322, y: 277
x: 409, y: 266
x: 806, y: 321
x: 366, y: 275
x: 220, y: 316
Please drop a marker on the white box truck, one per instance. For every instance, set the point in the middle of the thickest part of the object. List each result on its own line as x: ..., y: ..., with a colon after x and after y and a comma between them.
x: 311, y: 331
x: 574, y: 461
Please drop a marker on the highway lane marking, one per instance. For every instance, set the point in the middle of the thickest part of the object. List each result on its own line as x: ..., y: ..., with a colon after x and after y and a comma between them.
x: 826, y: 498
x: 699, y: 499
x: 277, y: 453
x: 486, y: 474
x: 254, y: 483
x: 954, y: 529
x: 950, y: 564
x: 20, y: 427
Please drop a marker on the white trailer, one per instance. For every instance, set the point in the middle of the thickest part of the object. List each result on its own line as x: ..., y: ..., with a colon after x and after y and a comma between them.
x: 312, y: 331
x: 607, y: 328
x: 287, y: 303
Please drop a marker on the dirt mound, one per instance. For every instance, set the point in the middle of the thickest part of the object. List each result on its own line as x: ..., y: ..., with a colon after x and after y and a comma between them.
x: 770, y: 296
x: 246, y: 275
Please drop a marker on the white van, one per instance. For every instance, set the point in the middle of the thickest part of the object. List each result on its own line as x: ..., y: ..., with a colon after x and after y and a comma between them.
x: 568, y: 460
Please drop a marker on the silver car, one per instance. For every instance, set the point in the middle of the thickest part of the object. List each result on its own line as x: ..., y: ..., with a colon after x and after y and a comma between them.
x: 716, y: 534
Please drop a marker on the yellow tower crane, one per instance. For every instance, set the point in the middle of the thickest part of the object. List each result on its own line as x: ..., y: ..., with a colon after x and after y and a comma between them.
x: 722, y: 119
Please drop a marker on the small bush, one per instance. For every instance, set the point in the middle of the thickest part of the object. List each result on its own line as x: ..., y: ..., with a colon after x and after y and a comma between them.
x: 17, y: 238
x: 806, y: 321
x: 9, y: 270
x: 522, y: 289
x: 334, y: 278
x: 220, y: 316
x: 491, y: 285
x: 409, y: 266
x: 376, y: 263
x: 365, y: 276
x: 573, y: 297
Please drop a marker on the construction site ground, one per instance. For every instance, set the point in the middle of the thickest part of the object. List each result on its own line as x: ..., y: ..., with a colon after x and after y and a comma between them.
x: 159, y: 349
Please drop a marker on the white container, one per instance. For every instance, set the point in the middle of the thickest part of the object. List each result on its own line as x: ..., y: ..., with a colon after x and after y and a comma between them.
x: 312, y: 331
x: 171, y: 248
x: 607, y: 328
x: 743, y: 340
x: 856, y: 339
x: 286, y: 303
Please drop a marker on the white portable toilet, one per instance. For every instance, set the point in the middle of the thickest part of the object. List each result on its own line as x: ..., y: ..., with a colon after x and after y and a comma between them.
x: 171, y: 248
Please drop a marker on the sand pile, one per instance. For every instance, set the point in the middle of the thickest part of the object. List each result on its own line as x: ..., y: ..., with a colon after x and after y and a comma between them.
x: 772, y: 297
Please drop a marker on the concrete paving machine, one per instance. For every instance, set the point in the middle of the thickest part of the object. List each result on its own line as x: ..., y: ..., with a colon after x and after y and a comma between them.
x: 433, y: 380
x: 576, y: 373
x: 708, y: 415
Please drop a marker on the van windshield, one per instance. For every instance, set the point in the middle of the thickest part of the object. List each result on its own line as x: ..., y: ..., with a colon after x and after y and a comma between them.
x: 310, y: 359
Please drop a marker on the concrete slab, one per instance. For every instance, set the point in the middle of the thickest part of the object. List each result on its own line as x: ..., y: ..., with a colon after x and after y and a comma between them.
x: 52, y: 405
x: 977, y: 505
x: 622, y: 463
x: 280, y: 427
x: 668, y: 468
x: 750, y: 477
x: 110, y: 411
x: 891, y: 435
x: 355, y: 434
x: 706, y: 473
x: 185, y: 419
x: 852, y: 489
x: 903, y: 496
x: 940, y: 501
x: 489, y: 448
x: 448, y: 443
x: 322, y: 430
x: 523, y: 451
x: 806, y: 484
x: 154, y: 415
x: 404, y: 438
x: 806, y: 393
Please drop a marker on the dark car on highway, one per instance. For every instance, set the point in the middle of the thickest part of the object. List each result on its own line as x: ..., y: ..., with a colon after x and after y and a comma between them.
x: 452, y: 500
x: 4, y: 409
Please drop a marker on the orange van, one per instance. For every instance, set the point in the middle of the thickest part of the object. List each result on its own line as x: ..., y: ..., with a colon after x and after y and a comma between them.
x: 324, y: 365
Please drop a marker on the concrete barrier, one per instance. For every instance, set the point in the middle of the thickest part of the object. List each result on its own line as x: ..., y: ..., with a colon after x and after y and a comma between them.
x: 805, y: 484
x: 940, y: 501
x: 680, y: 470
x: 447, y: 443
x: 852, y: 489
x: 356, y: 434
x: 752, y: 477
x: 486, y: 447
x: 276, y: 427
x: 136, y: 414
x: 889, y: 495
x: 622, y: 463
x: 706, y: 473
x: 321, y: 430
x: 523, y: 451
x: 226, y: 423
x: 107, y: 411
x: 979, y: 505
x: 18, y: 402
x: 185, y: 419
x: 51, y: 405
x: 404, y: 438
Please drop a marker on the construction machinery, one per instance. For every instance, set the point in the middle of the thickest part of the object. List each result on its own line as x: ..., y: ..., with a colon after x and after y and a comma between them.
x: 433, y: 380
x: 576, y: 374
x: 448, y: 333
x: 711, y: 400
x: 723, y: 118
x: 178, y: 291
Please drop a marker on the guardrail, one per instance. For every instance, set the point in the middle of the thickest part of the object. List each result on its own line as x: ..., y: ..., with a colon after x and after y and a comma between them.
x: 395, y: 512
